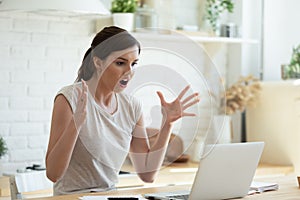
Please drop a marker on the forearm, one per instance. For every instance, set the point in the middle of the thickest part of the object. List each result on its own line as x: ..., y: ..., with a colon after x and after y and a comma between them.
x: 163, y: 136
x: 157, y: 151
x: 57, y: 160
x: 149, y: 160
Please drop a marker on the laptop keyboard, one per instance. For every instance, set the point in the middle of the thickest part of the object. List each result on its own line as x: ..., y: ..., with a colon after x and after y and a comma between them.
x: 179, y: 197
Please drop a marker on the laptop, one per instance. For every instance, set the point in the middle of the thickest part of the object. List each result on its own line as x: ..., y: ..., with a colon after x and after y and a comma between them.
x: 225, y: 171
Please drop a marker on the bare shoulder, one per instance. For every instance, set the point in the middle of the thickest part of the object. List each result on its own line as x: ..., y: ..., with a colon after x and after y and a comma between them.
x: 61, y: 102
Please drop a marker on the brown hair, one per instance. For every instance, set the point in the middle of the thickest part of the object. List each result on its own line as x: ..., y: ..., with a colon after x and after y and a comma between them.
x: 105, y: 42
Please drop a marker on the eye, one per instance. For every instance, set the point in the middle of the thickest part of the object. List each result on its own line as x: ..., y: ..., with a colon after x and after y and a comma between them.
x: 134, y: 64
x: 120, y: 63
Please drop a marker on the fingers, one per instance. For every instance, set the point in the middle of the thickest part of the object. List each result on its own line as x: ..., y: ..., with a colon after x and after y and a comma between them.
x: 186, y: 102
x: 80, y: 112
x: 182, y: 93
x: 84, y: 91
x: 191, y: 103
x: 161, y: 97
x: 172, y: 108
x: 193, y: 96
x: 84, y: 85
x: 188, y: 114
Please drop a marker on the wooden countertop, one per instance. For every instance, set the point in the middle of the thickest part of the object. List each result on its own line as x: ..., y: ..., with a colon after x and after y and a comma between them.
x: 184, y: 174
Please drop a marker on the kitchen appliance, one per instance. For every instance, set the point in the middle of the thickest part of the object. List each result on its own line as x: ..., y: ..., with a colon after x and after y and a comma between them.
x: 55, y: 7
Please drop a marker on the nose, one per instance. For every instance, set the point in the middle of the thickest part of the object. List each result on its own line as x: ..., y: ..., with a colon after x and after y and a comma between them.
x: 128, y: 68
x: 129, y: 71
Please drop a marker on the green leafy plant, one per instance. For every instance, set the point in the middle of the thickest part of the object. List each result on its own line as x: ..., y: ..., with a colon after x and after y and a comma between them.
x: 123, y: 6
x: 293, y: 69
x: 3, y: 148
x: 214, y: 8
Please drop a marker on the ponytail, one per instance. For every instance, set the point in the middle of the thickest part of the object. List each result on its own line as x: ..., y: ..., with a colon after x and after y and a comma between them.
x: 86, y: 69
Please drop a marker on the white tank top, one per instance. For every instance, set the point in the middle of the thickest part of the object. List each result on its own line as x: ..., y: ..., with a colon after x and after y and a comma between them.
x: 102, y: 145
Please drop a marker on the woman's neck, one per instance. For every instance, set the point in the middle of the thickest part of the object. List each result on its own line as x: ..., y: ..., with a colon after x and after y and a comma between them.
x: 103, y: 96
x: 107, y: 102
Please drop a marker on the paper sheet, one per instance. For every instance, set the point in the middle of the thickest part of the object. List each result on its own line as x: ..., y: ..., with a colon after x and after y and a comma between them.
x: 259, y: 187
x: 97, y: 197
x: 31, y: 181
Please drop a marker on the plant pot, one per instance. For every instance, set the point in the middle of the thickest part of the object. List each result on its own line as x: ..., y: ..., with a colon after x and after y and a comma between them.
x: 124, y: 20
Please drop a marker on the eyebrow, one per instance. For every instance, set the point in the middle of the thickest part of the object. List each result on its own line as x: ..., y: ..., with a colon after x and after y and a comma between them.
x: 126, y: 59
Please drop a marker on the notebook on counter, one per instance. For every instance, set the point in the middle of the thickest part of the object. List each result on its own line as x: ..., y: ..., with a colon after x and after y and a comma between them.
x: 225, y: 172
x: 259, y: 187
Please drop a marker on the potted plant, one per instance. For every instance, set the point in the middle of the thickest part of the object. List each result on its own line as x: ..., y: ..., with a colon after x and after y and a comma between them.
x: 3, y: 148
x: 292, y: 70
x: 240, y: 95
x: 123, y: 13
x: 214, y: 9
x: 243, y: 93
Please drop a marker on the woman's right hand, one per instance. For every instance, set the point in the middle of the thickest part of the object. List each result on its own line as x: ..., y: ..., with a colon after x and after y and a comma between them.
x: 80, y: 112
x: 177, y: 109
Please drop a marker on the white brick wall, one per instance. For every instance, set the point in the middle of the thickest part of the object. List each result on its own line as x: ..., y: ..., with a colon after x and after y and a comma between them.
x: 27, y: 51
x: 12, y: 116
x: 4, y: 50
x: 4, y: 129
x: 4, y: 103
x: 27, y: 155
x: 26, y: 128
x: 32, y: 25
x: 13, y: 64
x: 8, y: 37
x: 5, y: 23
x: 39, y: 55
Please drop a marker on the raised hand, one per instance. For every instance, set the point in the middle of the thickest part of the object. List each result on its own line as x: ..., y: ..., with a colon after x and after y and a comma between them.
x: 80, y: 112
x: 176, y: 109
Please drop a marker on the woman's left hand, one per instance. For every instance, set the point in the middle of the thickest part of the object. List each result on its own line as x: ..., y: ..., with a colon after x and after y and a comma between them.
x: 176, y: 109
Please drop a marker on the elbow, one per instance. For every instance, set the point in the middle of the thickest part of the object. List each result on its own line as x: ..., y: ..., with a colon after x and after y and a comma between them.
x: 51, y: 176
x: 148, y: 180
x: 147, y: 177
x: 53, y: 173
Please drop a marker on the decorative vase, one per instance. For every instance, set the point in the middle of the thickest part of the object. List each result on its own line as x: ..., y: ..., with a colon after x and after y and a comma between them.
x: 124, y: 20
x: 207, y: 27
x: 223, y: 128
x: 197, y: 149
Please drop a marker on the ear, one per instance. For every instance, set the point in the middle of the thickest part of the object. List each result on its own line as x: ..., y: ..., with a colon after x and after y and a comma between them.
x: 97, y: 62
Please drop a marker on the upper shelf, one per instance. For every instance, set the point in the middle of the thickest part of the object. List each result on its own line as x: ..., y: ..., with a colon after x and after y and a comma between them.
x: 196, y: 36
x: 206, y: 39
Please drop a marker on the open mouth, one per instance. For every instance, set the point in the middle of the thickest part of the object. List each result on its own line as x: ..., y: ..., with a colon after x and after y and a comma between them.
x: 124, y: 82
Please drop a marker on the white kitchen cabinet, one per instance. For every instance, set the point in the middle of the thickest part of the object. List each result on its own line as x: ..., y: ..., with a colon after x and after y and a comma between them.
x: 275, y: 120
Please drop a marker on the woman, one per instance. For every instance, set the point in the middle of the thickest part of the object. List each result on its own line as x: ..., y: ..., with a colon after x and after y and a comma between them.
x: 94, y: 125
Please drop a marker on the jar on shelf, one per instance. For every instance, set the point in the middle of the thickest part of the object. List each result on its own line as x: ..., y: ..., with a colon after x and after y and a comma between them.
x: 146, y: 17
x: 165, y: 13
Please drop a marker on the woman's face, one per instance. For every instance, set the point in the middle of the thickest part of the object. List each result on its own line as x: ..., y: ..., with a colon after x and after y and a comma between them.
x: 119, y: 69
